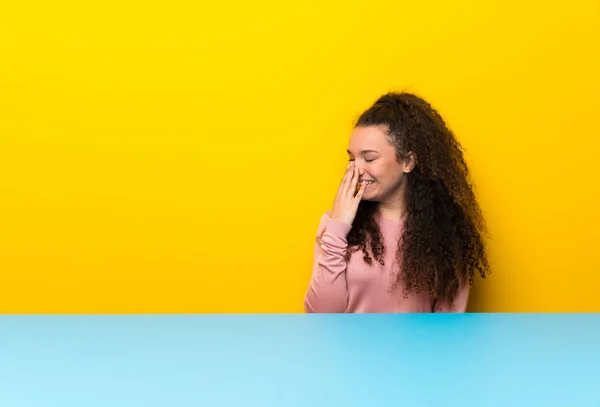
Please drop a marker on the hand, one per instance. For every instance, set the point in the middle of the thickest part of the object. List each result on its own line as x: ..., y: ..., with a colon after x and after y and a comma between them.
x: 347, y: 199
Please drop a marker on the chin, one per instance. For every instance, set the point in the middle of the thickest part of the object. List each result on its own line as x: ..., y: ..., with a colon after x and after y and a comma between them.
x: 369, y: 197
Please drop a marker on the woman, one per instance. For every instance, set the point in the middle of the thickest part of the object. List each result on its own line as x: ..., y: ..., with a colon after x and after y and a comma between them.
x: 405, y: 230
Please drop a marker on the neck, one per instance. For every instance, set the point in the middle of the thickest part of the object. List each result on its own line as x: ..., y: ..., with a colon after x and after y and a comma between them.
x: 395, y: 206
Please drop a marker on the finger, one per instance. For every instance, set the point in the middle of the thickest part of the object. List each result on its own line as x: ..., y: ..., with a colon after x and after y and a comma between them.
x: 361, y: 191
x: 354, y: 181
x: 342, y: 182
x: 347, y: 177
x: 350, y: 178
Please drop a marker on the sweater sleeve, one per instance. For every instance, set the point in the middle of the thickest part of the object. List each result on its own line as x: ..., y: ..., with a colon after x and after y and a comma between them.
x: 328, y: 291
x: 460, y: 301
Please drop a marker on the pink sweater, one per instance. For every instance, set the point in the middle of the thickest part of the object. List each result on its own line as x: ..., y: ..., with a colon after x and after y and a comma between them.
x: 355, y: 287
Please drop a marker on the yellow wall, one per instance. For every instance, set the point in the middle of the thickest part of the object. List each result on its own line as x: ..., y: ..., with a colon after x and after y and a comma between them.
x: 171, y: 157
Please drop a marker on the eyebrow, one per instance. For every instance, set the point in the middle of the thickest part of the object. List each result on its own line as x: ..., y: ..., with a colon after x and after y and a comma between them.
x: 365, y: 151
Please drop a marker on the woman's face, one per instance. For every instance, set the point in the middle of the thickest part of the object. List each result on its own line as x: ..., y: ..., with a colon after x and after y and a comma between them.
x: 377, y: 163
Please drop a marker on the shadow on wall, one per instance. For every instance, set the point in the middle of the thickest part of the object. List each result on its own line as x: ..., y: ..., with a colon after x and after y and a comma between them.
x: 481, y: 297
x: 477, y: 295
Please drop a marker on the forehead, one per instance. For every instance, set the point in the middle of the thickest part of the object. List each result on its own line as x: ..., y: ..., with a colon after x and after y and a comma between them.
x: 369, y: 138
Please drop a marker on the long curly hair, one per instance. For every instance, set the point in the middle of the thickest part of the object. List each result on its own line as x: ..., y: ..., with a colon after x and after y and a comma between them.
x: 442, y: 240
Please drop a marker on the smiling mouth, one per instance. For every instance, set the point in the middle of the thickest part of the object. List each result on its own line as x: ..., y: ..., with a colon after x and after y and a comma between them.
x: 367, y: 184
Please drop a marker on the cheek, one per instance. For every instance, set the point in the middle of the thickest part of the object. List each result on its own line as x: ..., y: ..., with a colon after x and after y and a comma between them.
x: 386, y: 173
x: 379, y: 171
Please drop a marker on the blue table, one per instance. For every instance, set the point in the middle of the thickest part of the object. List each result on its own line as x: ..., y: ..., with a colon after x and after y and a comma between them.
x: 300, y: 360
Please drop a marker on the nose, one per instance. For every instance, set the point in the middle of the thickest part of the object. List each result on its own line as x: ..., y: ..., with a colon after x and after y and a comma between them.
x: 360, y: 169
